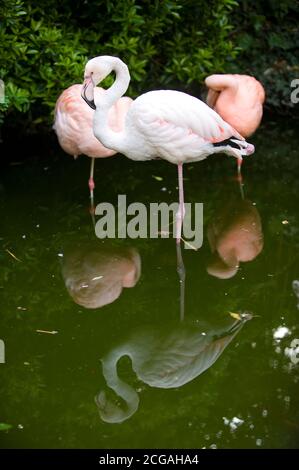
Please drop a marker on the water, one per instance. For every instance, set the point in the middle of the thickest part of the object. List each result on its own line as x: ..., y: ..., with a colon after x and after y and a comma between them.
x: 208, y: 381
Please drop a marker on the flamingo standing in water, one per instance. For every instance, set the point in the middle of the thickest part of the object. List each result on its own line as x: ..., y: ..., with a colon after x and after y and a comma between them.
x: 168, y: 124
x: 73, y: 126
x: 238, y: 99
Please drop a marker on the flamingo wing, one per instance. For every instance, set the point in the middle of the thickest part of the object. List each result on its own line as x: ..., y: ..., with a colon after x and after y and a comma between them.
x: 172, y: 122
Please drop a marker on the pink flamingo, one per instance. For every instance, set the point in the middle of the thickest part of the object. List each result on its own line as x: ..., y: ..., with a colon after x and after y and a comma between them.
x: 168, y: 124
x: 238, y: 99
x: 73, y: 126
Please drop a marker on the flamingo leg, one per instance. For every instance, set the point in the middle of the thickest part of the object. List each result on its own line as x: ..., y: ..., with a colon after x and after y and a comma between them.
x: 240, y: 177
x: 181, y: 210
x: 91, y: 182
x: 240, y: 161
x: 182, y: 276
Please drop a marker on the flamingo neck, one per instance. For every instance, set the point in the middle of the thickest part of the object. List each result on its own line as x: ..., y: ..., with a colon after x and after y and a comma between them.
x: 122, y: 389
x: 101, y: 128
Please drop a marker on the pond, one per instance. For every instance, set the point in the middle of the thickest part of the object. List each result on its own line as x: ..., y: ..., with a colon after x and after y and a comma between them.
x: 109, y: 345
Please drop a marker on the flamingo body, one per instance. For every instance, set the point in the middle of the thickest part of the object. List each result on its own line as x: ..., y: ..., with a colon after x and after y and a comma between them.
x: 163, y: 359
x: 174, y: 126
x: 238, y: 99
x: 74, y: 121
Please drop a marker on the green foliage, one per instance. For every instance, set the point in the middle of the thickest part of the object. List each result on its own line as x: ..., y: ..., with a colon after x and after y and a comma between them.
x: 268, y: 35
x: 171, y: 43
x: 42, y: 54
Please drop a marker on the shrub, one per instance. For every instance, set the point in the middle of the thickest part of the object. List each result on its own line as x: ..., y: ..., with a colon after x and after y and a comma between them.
x: 268, y: 34
x: 173, y: 44
x: 45, y: 45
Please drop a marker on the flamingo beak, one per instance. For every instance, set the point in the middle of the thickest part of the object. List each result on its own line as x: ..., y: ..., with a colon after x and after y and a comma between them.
x: 88, y: 92
x: 250, y: 149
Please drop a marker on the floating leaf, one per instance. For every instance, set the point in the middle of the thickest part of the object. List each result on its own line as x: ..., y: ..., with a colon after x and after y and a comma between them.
x: 12, y: 255
x: 237, y: 316
x: 47, y: 332
x: 158, y: 178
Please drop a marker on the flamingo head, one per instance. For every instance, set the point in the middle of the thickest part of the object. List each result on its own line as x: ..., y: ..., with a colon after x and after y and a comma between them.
x: 96, y: 70
x: 243, y: 148
x: 114, y: 413
x: 235, y: 147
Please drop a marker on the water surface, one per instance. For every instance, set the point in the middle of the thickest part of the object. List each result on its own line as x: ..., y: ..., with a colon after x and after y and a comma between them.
x: 208, y: 381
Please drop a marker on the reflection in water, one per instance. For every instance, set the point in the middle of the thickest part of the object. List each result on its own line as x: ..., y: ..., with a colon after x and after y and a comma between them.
x: 182, y: 276
x: 95, y: 274
x: 172, y: 355
x: 164, y: 358
x: 235, y: 235
x: 295, y: 285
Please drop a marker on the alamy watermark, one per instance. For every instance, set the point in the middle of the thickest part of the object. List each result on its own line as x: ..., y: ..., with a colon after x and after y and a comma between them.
x: 295, y: 93
x: 137, y: 221
x: 2, y: 352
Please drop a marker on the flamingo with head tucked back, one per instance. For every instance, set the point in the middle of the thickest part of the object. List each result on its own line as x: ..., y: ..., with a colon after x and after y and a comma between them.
x: 73, y: 126
x: 235, y: 235
x: 164, y: 358
x: 96, y: 274
x: 238, y: 99
x: 168, y: 124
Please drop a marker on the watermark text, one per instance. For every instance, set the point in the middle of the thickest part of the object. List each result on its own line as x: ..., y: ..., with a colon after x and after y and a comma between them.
x: 159, y: 220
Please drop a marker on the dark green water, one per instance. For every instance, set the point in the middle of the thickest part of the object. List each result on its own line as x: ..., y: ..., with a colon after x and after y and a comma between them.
x: 239, y: 387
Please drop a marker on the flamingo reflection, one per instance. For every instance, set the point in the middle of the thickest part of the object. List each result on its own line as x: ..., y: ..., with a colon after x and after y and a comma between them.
x: 235, y: 235
x: 96, y: 274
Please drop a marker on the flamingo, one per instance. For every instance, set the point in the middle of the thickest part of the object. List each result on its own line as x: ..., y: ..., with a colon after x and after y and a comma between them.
x: 238, y: 99
x: 163, y: 124
x: 95, y: 275
x: 73, y: 126
x: 163, y: 358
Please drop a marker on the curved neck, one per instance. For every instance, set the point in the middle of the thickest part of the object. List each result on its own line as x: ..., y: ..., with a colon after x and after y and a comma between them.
x: 220, y: 82
x: 123, y: 390
x: 101, y: 129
